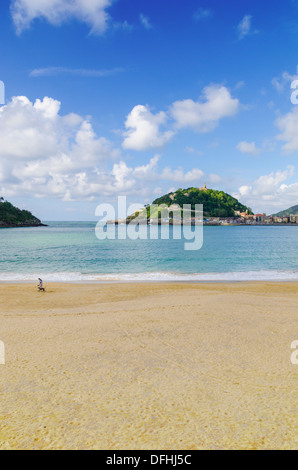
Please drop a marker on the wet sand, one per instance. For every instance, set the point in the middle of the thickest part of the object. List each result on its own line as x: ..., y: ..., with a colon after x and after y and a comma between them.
x: 149, y: 366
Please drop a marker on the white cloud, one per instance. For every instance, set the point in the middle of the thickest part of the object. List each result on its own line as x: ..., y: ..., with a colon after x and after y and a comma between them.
x: 266, y: 185
x: 279, y: 83
x: 244, y: 191
x: 204, y: 115
x: 58, y: 71
x: 46, y: 154
x: 269, y: 192
x: 145, y: 171
x: 179, y: 176
x: 245, y: 27
x: 127, y: 177
x: 29, y: 130
x: 288, y: 125
x: 143, y: 129
x: 248, y: 147
x: 145, y: 21
x: 91, y: 12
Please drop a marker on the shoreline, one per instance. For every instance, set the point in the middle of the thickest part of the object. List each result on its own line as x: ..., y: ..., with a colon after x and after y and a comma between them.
x: 153, y: 277
x: 6, y: 226
x: 206, y: 224
x: 156, y: 282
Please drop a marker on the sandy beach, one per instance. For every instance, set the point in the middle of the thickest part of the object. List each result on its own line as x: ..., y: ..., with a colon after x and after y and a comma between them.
x: 148, y: 366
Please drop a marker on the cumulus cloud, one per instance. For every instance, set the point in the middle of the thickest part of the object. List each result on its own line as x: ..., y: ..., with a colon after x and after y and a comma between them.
x: 248, y: 147
x: 268, y: 184
x: 270, y: 192
x: 46, y: 154
x: 28, y: 130
x: 204, y: 116
x: 179, y: 176
x: 288, y: 125
x: 91, y: 12
x: 127, y: 177
x: 145, y: 171
x: 143, y: 129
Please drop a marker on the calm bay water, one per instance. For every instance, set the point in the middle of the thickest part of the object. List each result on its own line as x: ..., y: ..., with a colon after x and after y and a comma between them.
x: 71, y: 252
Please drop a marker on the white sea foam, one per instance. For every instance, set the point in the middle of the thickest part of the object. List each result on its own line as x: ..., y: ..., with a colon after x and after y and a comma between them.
x: 153, y: 276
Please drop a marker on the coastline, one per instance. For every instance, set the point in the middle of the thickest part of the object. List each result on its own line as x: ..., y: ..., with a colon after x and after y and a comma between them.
x: 163, y: 277
x: 154, y: 282
x: 149, y: 366
x: 6, y: 226
x: 205, y: 224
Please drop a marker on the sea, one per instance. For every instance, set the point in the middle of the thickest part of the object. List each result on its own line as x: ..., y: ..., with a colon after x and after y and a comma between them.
x: 71, y: 252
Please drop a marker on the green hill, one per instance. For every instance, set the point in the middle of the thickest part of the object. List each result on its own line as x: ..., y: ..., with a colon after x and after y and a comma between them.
x: 291, y: 211
x: 11, y: 216
x: 216, y: 203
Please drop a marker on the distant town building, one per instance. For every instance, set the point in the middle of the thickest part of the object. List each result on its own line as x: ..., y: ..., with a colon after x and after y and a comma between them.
x: 259, y: 217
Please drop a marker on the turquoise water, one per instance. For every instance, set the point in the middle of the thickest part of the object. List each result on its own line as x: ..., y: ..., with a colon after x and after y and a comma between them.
x: 71, y: 252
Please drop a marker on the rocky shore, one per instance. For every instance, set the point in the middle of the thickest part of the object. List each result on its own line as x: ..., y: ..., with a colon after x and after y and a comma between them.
x: 29, y: 223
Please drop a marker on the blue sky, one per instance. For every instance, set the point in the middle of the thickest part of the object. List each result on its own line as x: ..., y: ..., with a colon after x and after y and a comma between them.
x: 141, y: 97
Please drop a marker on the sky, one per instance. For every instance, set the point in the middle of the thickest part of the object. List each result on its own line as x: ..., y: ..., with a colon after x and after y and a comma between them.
x: 137, y: 98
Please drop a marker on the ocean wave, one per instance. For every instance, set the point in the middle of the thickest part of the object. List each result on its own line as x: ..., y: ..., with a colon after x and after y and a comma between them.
x: 153, y: 276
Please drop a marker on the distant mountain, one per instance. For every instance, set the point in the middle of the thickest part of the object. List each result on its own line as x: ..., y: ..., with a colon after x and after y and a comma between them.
x: 216, y: 203
x: 291, y: 211
x: 11, y: 216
